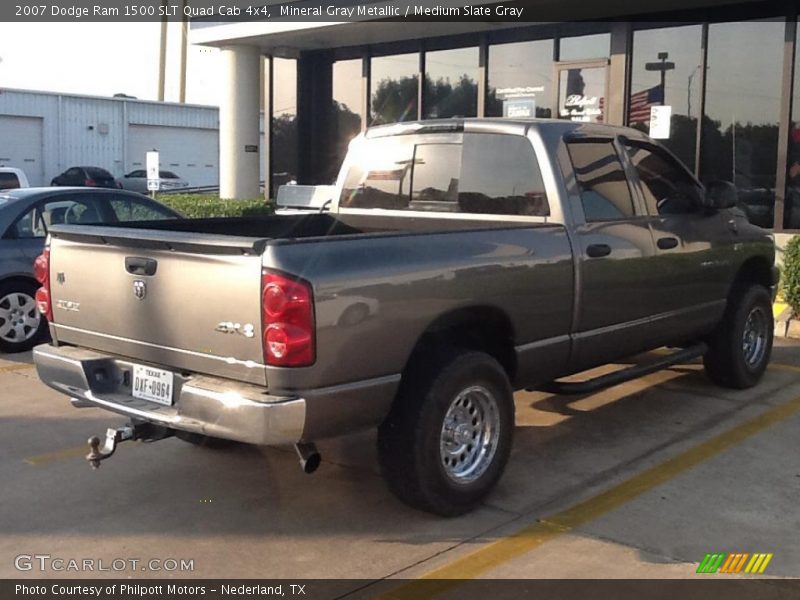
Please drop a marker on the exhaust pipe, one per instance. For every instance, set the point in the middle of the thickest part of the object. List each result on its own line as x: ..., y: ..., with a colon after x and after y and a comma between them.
x: 309, y: 457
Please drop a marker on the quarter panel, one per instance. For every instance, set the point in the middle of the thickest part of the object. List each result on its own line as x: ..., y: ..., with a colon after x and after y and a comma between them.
x: 374, y: 298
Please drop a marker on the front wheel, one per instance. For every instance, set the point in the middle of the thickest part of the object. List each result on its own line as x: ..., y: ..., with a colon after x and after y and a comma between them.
x: 448, y: 437
x: 740, y: 348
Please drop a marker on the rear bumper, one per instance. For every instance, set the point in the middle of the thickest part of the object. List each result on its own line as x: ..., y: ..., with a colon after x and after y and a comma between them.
x: 207, y: 405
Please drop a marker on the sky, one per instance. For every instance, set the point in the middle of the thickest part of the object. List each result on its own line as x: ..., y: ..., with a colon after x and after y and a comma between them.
x: 102, y: 60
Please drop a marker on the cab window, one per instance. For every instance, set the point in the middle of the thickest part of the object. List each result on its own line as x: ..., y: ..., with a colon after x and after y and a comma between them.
x: 667, y: 187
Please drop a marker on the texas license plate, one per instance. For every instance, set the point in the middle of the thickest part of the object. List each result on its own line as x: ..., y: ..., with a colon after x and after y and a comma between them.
x: 152, y: 384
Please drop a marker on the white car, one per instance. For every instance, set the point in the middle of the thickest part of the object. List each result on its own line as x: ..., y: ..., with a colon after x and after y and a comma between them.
x: 136, y: 181
x: 12, y: 178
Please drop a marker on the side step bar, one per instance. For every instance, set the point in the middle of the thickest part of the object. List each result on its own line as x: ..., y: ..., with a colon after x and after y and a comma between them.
x: 604, y: 381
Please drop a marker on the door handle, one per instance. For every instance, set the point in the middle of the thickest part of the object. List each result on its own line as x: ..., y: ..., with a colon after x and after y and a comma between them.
x: 667, y: 243
x: 598, y: 250
x: 136, y: 265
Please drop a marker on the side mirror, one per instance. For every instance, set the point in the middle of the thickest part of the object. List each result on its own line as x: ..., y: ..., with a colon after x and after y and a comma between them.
x: 721, y: 194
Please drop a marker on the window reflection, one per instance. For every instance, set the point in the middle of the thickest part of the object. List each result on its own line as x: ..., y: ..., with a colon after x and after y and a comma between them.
x: 284, y: 121
x: 347, y: 95
x: 680, y: 49
x: 393, y: 93
x: 791, y: 208
x: 451, y: 83
x: 585, y: 46
x: 740, y: 127
x: 520, y: 79
x: 582, y: 94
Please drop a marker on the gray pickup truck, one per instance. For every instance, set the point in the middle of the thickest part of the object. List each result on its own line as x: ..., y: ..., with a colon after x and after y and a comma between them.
x: 460, y: 260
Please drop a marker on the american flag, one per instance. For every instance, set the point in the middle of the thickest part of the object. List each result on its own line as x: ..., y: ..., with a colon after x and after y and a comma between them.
x: 641, y: 102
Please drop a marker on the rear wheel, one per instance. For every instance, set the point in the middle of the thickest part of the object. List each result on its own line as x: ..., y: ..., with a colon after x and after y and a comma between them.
x: 21, y: 325
x: 448, y: 437
x: 740, y: 348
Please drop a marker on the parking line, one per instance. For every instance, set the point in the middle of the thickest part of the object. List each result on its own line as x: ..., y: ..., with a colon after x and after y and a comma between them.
x: 17, y: 367
x: 491, y: 556
x: 50, y: 457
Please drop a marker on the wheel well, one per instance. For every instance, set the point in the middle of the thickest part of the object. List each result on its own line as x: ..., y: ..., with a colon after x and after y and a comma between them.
x: 485, y: 329
x: 19, y: 279
x: 754, y: 270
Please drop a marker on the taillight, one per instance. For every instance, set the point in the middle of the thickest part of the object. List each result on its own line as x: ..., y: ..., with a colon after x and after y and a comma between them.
x: 41, y: 270
x: 287, y: 312
x: 90, y: 183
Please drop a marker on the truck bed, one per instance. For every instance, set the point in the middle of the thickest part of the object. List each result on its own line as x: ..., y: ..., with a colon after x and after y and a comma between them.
x: 209, y: 274
x: 313, y: 225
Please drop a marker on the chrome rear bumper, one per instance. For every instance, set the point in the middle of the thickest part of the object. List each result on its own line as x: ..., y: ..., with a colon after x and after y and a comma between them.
x: 207, y: 405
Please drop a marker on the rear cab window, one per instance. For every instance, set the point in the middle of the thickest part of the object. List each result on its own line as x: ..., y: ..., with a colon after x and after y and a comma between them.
x: 473, y: 173
x: 8, y: 181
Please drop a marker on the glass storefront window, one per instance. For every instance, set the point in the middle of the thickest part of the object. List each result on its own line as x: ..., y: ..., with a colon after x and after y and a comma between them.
x: 740, y: 127
x: 393, y: 93
x: 347, y: 117
x: 451, y: 83
x: 284, y: 121
x: 791, y: 207
x: 520, y: 79
x: 676, y: 52
x: 582, y: 91
x: 584, y: 47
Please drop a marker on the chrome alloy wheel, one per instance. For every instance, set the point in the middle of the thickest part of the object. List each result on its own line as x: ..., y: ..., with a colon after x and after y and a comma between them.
x: 470, y: 435
x: 754, y: 337
x: 19, y: 317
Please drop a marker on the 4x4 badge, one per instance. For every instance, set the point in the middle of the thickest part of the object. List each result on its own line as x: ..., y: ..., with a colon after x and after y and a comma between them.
x: 139, y: 289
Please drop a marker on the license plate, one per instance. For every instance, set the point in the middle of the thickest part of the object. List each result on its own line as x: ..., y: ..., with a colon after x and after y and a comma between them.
x: 152, y: 384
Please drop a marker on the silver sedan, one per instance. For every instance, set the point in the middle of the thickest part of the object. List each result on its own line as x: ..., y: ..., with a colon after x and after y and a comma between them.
x: 136, y: 181
x: 25, y: 215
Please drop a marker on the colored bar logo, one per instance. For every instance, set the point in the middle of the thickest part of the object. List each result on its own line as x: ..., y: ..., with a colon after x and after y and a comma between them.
x: 741, y: 562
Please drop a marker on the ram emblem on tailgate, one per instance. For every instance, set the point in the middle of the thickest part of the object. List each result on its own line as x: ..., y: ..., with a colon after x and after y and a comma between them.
x: 139, y: 289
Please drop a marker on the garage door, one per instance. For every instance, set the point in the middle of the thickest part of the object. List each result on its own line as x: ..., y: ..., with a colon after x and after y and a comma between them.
x: 191, y: 153
x: 21, y: 146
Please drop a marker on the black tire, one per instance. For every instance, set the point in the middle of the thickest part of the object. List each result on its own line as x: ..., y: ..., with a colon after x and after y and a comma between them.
x: 206, y: 441
x: 18, y: 307
x: 413, y: 449
x: 733, y: 361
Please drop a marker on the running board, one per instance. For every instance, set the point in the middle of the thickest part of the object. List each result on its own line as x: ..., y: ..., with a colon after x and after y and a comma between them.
x: 604, y: 381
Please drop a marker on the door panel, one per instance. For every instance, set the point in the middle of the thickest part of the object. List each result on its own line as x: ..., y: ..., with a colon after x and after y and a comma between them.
x: 618, y: 291
x: 692, y: 245
x: 617, y: 284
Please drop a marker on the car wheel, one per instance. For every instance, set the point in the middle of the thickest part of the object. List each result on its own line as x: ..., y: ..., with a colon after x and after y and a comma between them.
x: 448, y: 437
x: 740, y: 348
x: 206, y: 441
x: 21, y: 325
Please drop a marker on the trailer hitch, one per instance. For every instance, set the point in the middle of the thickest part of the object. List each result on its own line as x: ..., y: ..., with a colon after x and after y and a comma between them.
x: 143, y: 431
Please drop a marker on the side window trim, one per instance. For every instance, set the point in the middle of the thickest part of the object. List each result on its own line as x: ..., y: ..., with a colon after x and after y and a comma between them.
x: 632, y: 175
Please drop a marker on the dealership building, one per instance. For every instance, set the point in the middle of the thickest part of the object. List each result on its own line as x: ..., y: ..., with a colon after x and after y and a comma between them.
x: 716, y: 81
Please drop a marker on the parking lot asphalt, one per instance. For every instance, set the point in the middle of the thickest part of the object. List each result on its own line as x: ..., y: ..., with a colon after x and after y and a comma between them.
x: 641, y: 480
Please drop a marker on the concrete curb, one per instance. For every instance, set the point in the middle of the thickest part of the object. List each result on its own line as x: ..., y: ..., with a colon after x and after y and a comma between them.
x: 786, y: 325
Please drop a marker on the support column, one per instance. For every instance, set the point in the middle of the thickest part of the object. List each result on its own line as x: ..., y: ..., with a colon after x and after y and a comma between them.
x: 618, y: 73
x: 239, y: 123
x: 314, y: 116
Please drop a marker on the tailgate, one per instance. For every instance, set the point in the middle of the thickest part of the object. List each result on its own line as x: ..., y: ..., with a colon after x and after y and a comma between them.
x: 162, y: 297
